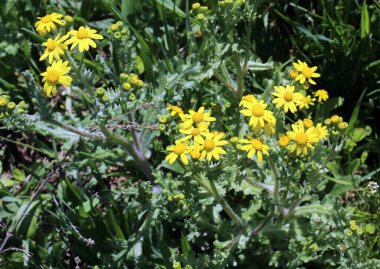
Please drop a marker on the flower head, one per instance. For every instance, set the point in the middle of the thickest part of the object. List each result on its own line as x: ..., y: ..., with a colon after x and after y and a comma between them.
x: 247, y: 99
x: 48, y: 23
x: 322, y: 95
x: 83, y: 37
x: 211, y: 145
x: 254, y: 146
x: 320, y: 131
x: 54, y: 75
x: 258, y: 114
x: 196, y: 117
x: 287, y: 98
x: 54, y: 48
x: 305, y: 72
x: 303, y: 138
x: 283, y: 140
x: 306, y: 101
x: 193, y: 132
x: 3, y: 100
x: 175, y: 110
x: 336, y: 119
x: 180, y: 149
x: 308, y: 123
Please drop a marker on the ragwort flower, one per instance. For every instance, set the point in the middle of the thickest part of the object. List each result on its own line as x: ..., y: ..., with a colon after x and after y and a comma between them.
x: 196, y: 117
x: 322, y: 95
x: 305, y: 72
x: 180, y: 149
x: 211, y: 145
x: 320, y: 131
x: 257, y: 113
x: 48, y: 23
x: 175, y: 110
x: 83, y: 37
x: 287, y: 98
x: 254, y: 146
x: 306, y: 101
x: 303, y: 138
x: 54, y: 75
x: 54, y: 48
x: 193, y: 132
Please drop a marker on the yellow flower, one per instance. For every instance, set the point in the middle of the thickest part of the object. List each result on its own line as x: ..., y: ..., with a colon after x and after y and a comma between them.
x: 3, y: 100
x: 194, y: 132
x: 286, y: 97
x: 322, y: 95
x: 247, y: 99
x: 306, y: 102
x: 257, y: 113
x: 175, y: 110
x: 343, y: 125
x: 196, y: 117
x: 284, y: 140
x: 320, y: 131
x: 211, y: 145
x: 234, y: 139
x: 55, y: 74
x: 254, y: 146
x: 180, y: 149
x: 48, y: 23
x: 195, y: 152
x: 293, y: 73
x: 269, y: 127
x: 303, y: 139
x: 335, y: 119
x: 54, y: 48
x: 308, y: 123
x: 306, y: 72
x: 83, y: 37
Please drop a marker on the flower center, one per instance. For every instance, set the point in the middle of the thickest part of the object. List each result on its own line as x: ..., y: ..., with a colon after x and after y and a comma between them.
x: 46, y: 19
x: 179, y: 149
x: 257, y: 111
x: 209, y: 145
x: 197, y: 117
x: 288, y: 96
x: 306, y: 71
x: 256, y: 144
x: 52, y: 76
x: 195, y: 132
x: 305, y: 100
x: 284, y: 140
x: 82, y: 33
x: 301, y: 139
x: 51, y: 45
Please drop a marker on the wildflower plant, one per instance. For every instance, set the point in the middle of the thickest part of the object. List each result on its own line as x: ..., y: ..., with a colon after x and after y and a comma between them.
x: 212, y: 147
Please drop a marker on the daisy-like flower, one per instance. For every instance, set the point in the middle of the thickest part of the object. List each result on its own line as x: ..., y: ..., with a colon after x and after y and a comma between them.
x: 336, y: 119
x: 48, y: 23
x: 269, y: 127
x: 196, y: 117
x: 305, y: 72
x: 287, y: 98
x: 194, y: 132
x: 180, y: 149
x: 320, y: 131
x: 306, y: 101
x: 254, y: 146
x: 308, y: 123
x: 257, y: 113
x: 54, y: 75
x: 175, y: 110
x: 303, y: 138
x: 247, y: 99
x: 283, y: 140
x: 322, y: 95
x: 195, y: 151
x: 83, y: 37
x: 54, y: 48
x: 211, y: 145
x: 293, y: 73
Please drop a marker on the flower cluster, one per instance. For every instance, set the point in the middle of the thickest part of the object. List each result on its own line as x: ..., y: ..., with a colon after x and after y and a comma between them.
x: 119, y: 31
x: 8, y: 107
x: 130, y: 81
x: 198, y: 141
x: 199, y: 10
x: 299, y: 139
x: 56, y: 46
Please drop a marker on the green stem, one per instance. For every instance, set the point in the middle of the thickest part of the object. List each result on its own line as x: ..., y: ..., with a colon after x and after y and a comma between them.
x: 137, y: 156
x: 227, y: 208
x: 239, y: 76
x: 276, y: 189
x: 259, y: 185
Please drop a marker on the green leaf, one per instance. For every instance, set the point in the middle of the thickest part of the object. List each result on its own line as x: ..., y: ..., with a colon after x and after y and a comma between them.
x: 364, y: 21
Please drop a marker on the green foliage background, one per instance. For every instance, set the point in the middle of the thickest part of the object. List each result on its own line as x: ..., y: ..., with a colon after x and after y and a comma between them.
x: 95, y: 194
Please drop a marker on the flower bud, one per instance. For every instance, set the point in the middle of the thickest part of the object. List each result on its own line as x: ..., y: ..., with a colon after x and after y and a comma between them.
x: 327, y: 121
x: 120, y: 24
x: 117, y: 35
x: 335, y: 119
x: 124, y: 76
x: 234, y: 139
x: 293, y: 73
x: 105, y: 98
x: 162, y: 127
x: 11, y: 106
x: 68, y: 19
x: 343, y: 125
x: 163, y: 119
x: 3, y: 100
x: 127, y: 86
x: 196, y: 6
x: 100, y: 92
x: 201, y: 17
x: 132, y: 97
